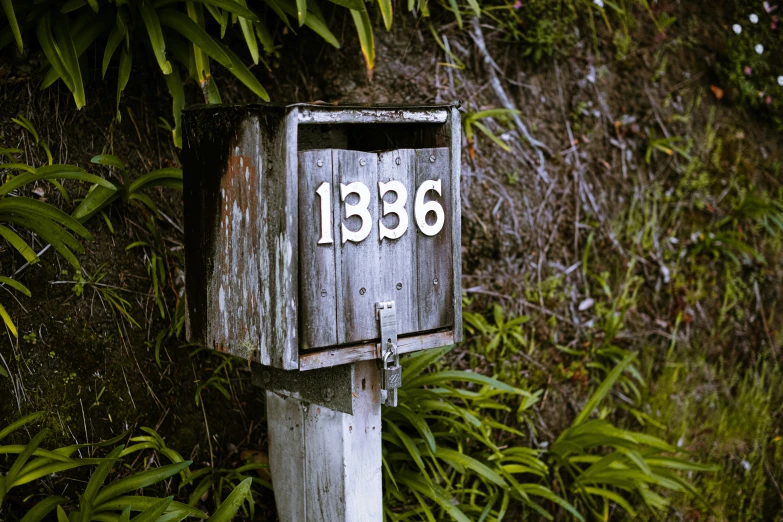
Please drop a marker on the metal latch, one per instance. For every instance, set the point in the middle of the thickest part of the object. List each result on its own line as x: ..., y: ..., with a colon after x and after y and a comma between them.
x: 391, y: 371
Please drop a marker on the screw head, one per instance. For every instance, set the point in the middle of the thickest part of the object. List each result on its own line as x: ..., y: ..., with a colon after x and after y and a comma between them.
x: 362, y: 291
x: 320, y: 163
x: 397, y: 161
x: 399, y: 286
x: 323, y: 293
x: 362, y: 162
x: 432, y: 159
x: 435, y: 281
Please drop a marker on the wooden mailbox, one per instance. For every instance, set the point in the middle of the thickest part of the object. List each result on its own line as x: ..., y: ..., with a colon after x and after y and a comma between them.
x: 300, y: 218
x: 310, y: 231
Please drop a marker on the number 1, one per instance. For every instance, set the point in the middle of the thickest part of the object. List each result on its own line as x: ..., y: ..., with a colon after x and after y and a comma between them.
x: 325, y: 193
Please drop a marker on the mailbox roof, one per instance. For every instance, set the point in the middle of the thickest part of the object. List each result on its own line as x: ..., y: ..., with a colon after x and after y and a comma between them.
x: 348, y: 113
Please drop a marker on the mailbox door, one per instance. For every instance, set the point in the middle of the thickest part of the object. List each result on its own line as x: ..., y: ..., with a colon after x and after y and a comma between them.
x: 374, y: 227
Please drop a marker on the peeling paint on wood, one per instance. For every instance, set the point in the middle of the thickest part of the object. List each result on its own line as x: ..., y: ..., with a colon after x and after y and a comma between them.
x: 242, y: 267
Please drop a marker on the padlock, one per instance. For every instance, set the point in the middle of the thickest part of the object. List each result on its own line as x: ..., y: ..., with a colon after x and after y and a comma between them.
x: 391, y: 373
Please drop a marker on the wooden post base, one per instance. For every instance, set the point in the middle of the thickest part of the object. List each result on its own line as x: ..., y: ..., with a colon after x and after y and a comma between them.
x: 326, y: 465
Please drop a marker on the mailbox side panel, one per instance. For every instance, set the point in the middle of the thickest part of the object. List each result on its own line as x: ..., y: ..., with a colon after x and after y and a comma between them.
x: 455, y: 151
x: 240, y: 256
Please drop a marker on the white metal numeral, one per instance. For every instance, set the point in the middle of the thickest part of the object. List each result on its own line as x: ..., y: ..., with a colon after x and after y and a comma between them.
x: 359, y: 209
x: 421, y: 209
x: 395, y: 207
x: 324, y: 192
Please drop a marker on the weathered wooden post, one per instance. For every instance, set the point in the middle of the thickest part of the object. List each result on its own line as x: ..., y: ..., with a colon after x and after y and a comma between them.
x: 323, y: 242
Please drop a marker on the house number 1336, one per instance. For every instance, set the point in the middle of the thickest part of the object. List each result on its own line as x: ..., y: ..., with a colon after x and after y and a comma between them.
x: 397, y: 207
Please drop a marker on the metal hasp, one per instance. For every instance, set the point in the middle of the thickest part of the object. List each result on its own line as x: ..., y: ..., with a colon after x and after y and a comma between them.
x: 301, y: 217
x: 391, y: 371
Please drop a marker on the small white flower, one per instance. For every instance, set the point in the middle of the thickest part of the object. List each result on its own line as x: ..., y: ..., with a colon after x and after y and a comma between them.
x: 780, y: 81
x: 754, y: 19
x: 759, y: 48
x: 737, y: 28
x: 599, y: 3
x: 745, y: 464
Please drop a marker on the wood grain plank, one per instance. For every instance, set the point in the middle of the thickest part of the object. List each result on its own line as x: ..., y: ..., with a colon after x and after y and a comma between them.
x: 362, y: 435
x: 356, y: 263
x: 434, y: 253
x: 284, y: 205
x: 398, y: 256
x: 317, y: 290
x: 285, y: 417
x: 326, y: 465
x: 324, y: 480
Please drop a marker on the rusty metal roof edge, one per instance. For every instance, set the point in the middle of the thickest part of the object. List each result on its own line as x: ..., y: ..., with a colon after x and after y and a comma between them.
x: 326, y: 107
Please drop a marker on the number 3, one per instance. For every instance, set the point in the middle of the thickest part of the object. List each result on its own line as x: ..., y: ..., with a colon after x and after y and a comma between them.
x: 359, y: 209
x: 396, y: 207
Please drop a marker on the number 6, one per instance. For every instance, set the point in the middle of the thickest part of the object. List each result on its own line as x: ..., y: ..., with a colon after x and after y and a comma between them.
x: 421, y: 209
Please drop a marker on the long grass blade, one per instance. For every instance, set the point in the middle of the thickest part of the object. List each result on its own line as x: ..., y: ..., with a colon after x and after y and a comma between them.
x: 8, y: 7
x: 23, y: 205
x: 70, y: 59
x: 115, y: 39
x: 155, y: 33
x: 177, y: 92
x: 152, y: 513
x: 49, y: 47
x: 386, y: 12
x: 603, y: 389
x: 9, y: 323
x: 243, y: 74
x: 19, y: 244
x: 229, y: 507
x: 19, y: 423
x: 39, y: 511
x: 17, y: 286
x: 138, y: 481
x: 237, y: 8
x: 364, y: 28
x: 140, y: 503
x: 24, y: 456
x: 96, y: 199
x: 97, y: 479
x: 194, y: 34
x: 301, y: 11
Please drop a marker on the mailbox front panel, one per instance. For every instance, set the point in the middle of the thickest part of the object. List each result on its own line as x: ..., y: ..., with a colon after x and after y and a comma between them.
x: 374, y: 227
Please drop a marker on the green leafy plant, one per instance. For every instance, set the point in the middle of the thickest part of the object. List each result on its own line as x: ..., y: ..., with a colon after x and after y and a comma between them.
x: 441, y: 453
x: 107, y: 293
x: 21, y: 213
x: 472, y: 123
x: 600, y: 464
x: 113, y: 501
x: 176, y: 34
x: 500, y: 335
x: 101, y: 195
x: 157, y: 266
x: 44, y: 219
